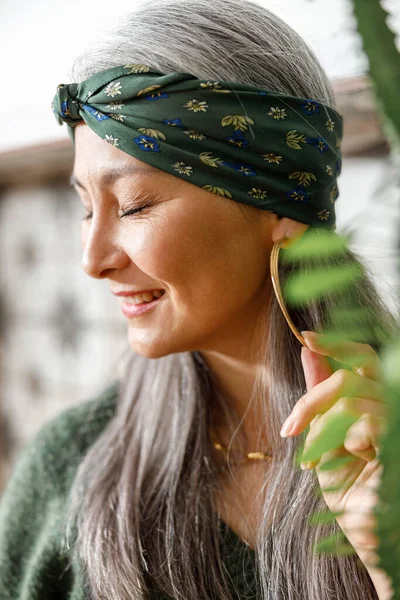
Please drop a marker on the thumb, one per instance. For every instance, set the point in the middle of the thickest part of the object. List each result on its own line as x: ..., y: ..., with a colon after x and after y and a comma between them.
x: 316, y: 367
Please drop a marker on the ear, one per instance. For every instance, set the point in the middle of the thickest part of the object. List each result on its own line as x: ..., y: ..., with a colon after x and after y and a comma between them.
x: 288, y: 228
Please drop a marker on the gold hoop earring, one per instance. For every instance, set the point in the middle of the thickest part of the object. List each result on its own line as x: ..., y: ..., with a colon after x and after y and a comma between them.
x: 277, y: 288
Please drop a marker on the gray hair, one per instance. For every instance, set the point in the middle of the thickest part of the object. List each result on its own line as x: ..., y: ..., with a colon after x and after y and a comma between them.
x: 143, y: 497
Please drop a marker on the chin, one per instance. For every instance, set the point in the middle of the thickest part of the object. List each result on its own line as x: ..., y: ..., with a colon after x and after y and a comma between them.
x: 149, y: 349
x: 158, y: 346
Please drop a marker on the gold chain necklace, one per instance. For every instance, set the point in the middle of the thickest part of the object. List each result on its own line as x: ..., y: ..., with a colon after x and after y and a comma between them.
x: 258, y: 456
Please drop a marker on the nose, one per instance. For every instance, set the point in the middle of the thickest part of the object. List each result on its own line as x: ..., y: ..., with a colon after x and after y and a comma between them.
x: 101, y: 252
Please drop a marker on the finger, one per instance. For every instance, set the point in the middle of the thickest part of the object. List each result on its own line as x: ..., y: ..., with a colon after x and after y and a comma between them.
x: 328, y: 456
x: 361, y: 357
x: 324, y: 395
x: 359, y: 433
x: 363, y: 437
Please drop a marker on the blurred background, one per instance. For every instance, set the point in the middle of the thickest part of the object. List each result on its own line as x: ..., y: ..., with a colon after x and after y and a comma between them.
x: 62, y: 333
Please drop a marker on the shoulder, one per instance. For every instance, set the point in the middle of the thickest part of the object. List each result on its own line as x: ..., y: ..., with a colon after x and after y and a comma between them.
x: 80, y: 424
x: 64, y: 440
x: 56, y: 450
x: 34, y: 501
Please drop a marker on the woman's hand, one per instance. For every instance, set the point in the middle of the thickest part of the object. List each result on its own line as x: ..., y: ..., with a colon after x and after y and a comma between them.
x: 357, y: 395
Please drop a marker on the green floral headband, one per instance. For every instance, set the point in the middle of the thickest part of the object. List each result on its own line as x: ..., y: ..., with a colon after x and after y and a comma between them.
x: 267, y: 149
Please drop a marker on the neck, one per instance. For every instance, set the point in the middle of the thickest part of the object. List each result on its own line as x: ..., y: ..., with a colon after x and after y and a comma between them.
x: 233, y: 376
x: 233, y: 372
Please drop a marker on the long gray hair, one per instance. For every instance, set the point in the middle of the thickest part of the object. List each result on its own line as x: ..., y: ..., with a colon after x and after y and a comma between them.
x: 144, y: 495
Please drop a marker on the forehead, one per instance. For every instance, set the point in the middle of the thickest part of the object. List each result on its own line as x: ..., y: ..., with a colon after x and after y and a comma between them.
x: 103, y: 161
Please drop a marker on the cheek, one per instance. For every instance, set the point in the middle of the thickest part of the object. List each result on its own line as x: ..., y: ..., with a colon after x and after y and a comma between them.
x: 175, y: 254
x: 199, y: 264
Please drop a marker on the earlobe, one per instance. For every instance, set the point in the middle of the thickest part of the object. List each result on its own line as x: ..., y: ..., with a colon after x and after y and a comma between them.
x: 296, y: 229
x: 288, y: 228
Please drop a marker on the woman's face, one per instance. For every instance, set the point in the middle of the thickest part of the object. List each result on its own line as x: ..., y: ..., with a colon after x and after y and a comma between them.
x: 210, y: 254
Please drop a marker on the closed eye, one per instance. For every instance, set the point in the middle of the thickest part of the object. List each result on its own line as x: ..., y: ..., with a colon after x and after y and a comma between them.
x: 131, y: 211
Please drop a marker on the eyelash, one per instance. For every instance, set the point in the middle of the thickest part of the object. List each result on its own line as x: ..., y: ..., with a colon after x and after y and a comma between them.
x: 131, y: 211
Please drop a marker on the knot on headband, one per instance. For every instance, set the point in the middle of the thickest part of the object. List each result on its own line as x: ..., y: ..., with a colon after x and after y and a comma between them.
x: 262, y: 148
x: 69, y: 103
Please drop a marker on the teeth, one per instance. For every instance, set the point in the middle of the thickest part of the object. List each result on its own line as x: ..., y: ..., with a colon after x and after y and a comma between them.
x: 146, y: 297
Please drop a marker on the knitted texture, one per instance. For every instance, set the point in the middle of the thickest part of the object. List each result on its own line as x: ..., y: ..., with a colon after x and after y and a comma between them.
x: 34, y: 561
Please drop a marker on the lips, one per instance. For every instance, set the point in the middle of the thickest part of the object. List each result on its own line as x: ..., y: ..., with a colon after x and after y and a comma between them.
x: 133, y: 310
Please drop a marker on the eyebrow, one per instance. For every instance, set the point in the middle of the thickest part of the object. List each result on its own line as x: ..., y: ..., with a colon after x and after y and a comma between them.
x: 111, y: 175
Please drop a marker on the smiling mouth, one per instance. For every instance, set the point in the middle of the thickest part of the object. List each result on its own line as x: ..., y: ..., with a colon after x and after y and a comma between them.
x: 134, y: 308
x: 146, y: 298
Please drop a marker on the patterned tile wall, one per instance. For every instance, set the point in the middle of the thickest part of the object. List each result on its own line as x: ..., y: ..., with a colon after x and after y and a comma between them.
x: 61, y: 332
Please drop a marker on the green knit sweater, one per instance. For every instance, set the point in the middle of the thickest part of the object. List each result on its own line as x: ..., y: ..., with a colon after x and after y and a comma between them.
x: 34, y: 561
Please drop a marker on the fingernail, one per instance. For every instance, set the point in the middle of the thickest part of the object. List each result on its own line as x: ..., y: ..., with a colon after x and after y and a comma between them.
x: 287, y: 427
x: 310, y: 337
x: 311, y: 334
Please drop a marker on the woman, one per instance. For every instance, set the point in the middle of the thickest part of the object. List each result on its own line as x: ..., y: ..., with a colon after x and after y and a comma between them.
x: 130, y: 495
